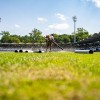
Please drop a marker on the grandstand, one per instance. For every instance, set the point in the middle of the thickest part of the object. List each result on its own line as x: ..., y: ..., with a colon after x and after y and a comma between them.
x: 92, y: 42
x: 91, y: 39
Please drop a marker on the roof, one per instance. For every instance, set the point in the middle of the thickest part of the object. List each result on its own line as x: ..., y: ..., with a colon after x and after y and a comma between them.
x: 91, y: 39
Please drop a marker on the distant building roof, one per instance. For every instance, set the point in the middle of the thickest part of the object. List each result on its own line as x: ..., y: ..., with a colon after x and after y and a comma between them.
x: 94, y: 38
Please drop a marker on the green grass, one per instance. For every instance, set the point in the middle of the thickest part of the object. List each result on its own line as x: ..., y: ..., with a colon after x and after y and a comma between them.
x: 49, y: 76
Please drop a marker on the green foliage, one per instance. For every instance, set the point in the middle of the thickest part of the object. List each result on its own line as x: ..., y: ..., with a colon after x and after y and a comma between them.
x: 10, y: 39
x: 5, y: 33
x: 49, y: 76
x: 81, y: 34
x: 7, y: 38
x: 25, y: 39
x: 36, y: 37
x: 64, y: 38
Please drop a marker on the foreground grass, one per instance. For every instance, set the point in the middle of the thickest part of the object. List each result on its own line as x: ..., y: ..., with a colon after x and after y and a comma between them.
x: 49, y: 76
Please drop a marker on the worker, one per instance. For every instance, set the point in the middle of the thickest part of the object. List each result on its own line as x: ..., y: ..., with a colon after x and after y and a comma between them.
x: 49, y: 39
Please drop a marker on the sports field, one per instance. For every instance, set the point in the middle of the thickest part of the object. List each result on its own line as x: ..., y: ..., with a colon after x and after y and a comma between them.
x: 49, y: 76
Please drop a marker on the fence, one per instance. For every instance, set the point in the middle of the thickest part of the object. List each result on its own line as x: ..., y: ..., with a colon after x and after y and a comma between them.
x: 35, y: 46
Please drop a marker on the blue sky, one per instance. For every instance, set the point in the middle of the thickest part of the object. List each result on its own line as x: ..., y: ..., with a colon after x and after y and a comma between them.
x: 49, y: 16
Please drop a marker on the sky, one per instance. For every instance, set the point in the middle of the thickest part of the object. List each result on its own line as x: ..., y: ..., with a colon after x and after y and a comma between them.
x: 20, y: 17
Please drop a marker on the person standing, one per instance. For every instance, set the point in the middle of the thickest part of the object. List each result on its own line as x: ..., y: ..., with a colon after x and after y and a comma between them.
x: 49, y: 39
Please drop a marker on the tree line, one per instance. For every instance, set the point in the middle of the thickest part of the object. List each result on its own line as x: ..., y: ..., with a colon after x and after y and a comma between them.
x: 36, y: 37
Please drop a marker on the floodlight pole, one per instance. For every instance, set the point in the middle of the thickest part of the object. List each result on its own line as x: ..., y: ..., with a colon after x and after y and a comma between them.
x: 0, y: 21
x: 74, y: 20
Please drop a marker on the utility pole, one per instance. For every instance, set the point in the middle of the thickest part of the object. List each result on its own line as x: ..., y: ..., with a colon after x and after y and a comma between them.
x: 74, y: 20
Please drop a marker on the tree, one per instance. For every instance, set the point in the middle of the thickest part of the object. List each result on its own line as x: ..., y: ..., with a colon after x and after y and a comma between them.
x: 5, y: 36
x: 25, y: 39
x: 13, y: 40
x: 56, y: 37
x: 36, y: 36
x: 5, y: 33
x: 64, y: 38
x: 4, y: 39
x: 81, y: 34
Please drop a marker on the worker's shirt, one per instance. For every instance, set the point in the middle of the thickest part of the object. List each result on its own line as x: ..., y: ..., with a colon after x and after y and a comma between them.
x: 51, y: 38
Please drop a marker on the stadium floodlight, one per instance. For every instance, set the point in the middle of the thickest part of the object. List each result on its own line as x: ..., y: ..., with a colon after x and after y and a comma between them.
x: 74, y: 20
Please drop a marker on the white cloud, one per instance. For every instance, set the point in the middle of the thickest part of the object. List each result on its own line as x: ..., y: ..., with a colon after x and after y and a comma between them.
x: 57, y: 26
x: 17, y: 26
x: 97, y: 3
x: 61, y: 16
x: 41, y: 19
